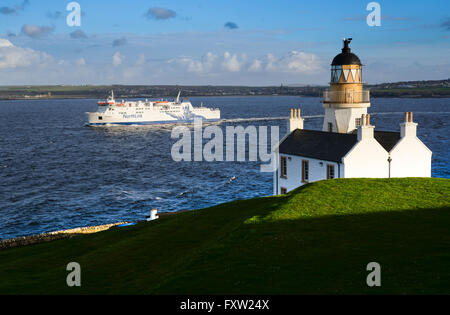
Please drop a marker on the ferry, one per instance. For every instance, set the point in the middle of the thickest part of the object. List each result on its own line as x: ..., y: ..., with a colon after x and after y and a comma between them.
x: 112, y: 112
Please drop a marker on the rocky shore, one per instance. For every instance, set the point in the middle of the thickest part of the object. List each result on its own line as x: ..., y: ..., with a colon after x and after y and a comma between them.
x: 56, y: 235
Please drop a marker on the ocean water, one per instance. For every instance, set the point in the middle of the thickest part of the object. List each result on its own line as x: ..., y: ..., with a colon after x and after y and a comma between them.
x: 57, y: 173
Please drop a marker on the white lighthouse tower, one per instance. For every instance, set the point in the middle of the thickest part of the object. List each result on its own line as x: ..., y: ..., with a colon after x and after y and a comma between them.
x: 346, y: 100
x: 348, y: 146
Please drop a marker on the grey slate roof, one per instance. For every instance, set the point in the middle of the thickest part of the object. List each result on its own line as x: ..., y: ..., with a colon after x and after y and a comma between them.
x: 329, y: 146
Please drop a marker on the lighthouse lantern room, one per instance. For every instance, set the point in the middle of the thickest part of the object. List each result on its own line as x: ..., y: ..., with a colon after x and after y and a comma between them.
x: 346, y: 100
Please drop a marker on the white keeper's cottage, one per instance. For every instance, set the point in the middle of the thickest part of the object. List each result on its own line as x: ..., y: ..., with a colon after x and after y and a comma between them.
x: 348, y: 145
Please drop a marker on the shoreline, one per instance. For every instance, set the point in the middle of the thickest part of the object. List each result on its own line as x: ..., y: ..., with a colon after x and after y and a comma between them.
x: 91, y: 97
x: 67, y: 233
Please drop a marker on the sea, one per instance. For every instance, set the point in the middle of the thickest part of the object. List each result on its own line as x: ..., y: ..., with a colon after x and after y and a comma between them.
x: 57, y: 173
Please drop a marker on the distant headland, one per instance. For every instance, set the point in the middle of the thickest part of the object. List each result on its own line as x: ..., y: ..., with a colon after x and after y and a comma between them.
x: 413, y: 89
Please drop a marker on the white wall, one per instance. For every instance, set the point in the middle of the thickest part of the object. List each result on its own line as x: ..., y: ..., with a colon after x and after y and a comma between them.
x: 343, y: 120
x: 367, y: 159
x: 294, y: 172
x: 410, y: 158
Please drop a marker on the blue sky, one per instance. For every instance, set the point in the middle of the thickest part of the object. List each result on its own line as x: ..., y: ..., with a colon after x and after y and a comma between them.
x: 232, y: 42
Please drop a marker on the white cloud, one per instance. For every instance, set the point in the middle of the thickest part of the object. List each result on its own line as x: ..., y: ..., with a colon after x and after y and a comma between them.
x: 255, y: 66
x: 12, y: 57
x: 294, y: 61
x: 231, y: 62
x: 199, y: 66
x: 118, y: 59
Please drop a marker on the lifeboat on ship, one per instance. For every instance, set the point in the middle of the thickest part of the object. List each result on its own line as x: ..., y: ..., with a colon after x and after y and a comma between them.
x: 109, y: 101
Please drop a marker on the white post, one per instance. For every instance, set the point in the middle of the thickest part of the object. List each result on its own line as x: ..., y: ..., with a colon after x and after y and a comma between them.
x: 153, y: 215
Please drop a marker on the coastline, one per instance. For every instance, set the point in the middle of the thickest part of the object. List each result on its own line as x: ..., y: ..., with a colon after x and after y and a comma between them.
x: 67, y: 233
x: 92, y: 97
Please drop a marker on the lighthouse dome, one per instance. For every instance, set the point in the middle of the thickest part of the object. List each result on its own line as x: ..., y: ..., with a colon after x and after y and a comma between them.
x: 346, y: 57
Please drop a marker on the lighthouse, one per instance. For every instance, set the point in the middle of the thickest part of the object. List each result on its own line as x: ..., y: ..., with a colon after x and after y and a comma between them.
x: 349, y: 145
x: 346, y: 100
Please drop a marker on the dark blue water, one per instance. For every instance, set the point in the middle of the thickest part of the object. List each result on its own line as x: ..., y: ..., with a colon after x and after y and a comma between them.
x: 55, y: 173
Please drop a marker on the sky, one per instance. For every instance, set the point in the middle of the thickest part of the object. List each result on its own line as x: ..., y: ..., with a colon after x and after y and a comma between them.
x: 212, y: 42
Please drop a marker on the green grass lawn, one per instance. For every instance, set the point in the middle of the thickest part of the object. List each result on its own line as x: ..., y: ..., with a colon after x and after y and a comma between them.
x: 315, y: 240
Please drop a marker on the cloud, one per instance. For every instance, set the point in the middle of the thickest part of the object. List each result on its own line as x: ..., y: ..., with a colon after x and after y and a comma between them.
x: 294, y: 62
x: 78, y: 34
x: 54, y: 15
x: 12, y: 57
x: 204, y: 65
x: 35, y: 31
x: 118, y: 59
x: 231, y: 62
x: 7, y: 11
x: 255, y: 66
x: 446, y: 24
x: 119, y: 42
x: 160, y: 14
x: 231, y: 25
x: 14, y: 10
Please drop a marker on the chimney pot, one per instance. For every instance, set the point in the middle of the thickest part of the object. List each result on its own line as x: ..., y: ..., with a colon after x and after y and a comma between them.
x: 368, y: 120
x: 410, y: 117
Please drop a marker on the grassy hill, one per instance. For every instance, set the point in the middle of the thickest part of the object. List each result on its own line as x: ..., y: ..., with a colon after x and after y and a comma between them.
x: 315, y: 240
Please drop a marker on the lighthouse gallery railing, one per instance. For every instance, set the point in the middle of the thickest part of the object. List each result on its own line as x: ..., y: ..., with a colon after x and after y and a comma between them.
x: 348, y: 96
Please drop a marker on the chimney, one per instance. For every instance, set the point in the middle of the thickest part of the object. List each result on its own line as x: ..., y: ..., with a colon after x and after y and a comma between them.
x: 295, y: 120
x: 366, y: 130
x: 409, y: 127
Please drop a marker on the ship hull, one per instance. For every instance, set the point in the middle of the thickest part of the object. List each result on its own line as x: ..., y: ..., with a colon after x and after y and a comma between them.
x: 143, y: 123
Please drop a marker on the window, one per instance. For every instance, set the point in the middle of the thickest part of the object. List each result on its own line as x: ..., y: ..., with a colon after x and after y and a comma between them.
x: 305, y: 171
x: 283, y: 167
x: 358, y: 122
x: 330, y: 127
x: 100, y: 118
x: 283, y: 191
x: 336, y: 72
x: 330, y: 171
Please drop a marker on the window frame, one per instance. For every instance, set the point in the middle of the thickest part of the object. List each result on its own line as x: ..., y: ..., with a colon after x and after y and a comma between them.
x: 331, y: 167
x: 283, y: 167
x: 305, y: 171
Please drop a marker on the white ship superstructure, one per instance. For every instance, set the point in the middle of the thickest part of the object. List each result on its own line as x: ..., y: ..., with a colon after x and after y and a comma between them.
x: 112, y: 112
